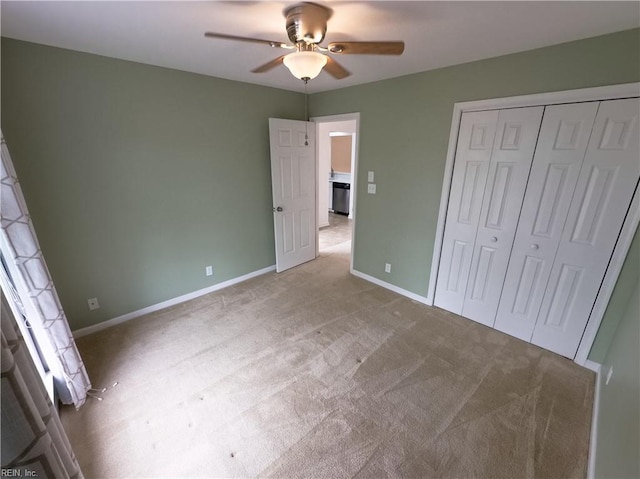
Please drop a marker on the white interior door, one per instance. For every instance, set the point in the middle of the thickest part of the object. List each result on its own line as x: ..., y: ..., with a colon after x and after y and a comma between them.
x: 473, y: 154
x: 605, y: 186
x: 293, y: 178
x: 514, y: 145
x: 562, y: 144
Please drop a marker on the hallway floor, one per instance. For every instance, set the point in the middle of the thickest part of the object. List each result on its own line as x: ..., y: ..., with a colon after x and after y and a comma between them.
x: 338, y: 231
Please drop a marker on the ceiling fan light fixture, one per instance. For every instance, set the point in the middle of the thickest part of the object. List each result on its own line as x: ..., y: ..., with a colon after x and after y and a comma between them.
x: 305, y: 64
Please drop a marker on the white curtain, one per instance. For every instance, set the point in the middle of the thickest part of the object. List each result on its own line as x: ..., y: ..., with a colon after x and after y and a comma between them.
x: 33, y: 282
x: 34, y: 443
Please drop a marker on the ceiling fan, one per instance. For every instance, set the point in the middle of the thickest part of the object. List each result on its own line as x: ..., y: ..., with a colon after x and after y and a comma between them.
x: 306, y: 25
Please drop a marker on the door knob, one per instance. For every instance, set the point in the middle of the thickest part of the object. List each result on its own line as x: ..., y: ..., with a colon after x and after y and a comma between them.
x: 534, y: 246
x: 279, y: 208
x: 494, y: 239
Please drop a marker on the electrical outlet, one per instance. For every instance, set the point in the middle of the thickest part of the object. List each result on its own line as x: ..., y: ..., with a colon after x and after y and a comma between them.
x: 371, y: 188
x: 387, y: 267
x: 370, y: 176
x: 209, y: 270
x: 93, y: 303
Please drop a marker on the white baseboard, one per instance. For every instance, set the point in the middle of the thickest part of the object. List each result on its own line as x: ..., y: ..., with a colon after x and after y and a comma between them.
x: 593, y: 366
x: 392, y: 287
x: 78, y: 333
x: 593, y: 440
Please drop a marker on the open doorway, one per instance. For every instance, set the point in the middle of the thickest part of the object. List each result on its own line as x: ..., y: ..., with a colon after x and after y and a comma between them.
x: 336, y: 234
x: 337, y: 154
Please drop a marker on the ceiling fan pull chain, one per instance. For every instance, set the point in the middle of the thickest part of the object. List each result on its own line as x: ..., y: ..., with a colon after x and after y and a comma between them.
x: 306, y: 114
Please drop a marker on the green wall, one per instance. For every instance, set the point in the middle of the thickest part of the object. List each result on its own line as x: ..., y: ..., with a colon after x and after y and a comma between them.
x: 137, y: 177
x: 619, y: 419
x: 617, y: 346
x: 625, y: 287
x: 404, y: 133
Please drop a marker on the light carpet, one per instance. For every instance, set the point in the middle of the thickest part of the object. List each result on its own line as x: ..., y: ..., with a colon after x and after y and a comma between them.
x: 314, y: 373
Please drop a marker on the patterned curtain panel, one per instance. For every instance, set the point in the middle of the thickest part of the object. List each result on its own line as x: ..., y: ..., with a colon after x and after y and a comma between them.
x: 35, y: 286
x: 33, y: 441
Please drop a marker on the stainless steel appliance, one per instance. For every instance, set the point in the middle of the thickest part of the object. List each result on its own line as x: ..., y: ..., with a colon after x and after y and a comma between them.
x: 341, y: 193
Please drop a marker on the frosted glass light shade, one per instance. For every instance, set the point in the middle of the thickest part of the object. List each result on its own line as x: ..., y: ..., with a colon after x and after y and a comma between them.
x: 305, y: 64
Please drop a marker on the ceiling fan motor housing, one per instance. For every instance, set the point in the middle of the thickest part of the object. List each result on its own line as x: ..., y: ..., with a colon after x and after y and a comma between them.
x: 307, y: 22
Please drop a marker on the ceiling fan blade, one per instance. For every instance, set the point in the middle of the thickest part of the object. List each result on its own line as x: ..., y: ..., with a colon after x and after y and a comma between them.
x: 269, y: 65
x: 336, y: 70
x: 373, y: 48
x: 224, y: 36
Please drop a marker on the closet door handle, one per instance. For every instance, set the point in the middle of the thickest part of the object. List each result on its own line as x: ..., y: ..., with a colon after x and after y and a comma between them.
x: 493, y: 239
x: 534, y: 246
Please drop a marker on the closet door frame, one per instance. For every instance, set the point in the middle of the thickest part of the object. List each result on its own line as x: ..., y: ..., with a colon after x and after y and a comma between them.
x: 629, y: 226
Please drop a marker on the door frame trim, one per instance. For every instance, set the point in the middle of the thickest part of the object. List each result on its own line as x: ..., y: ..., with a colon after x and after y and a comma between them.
x: 611, y: 92
x: 355, y: 116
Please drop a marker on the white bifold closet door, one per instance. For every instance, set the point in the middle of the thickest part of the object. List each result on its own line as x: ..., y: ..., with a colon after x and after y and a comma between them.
x: 605, y: 188
x: 534, y: 216
x: 513, y: 148
x: 473, y: 154
x: 492, y: 164
x: 564, y: 136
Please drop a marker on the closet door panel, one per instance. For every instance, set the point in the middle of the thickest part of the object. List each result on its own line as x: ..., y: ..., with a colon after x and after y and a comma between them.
x: 514, y: 145
x: 604, y: 189
x: 562, y: 144
x: 473, y: 154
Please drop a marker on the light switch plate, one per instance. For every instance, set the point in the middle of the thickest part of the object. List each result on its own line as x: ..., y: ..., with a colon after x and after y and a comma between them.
x: 371, y: 188
x: 370, y: 176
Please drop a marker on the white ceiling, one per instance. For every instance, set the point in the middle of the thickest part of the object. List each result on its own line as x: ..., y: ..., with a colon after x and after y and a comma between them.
x: 437, y: 34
